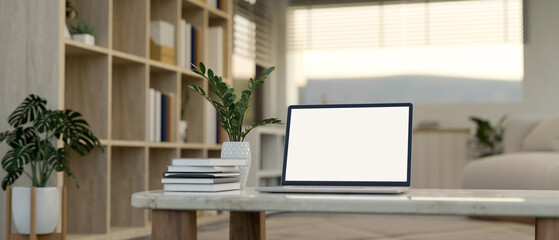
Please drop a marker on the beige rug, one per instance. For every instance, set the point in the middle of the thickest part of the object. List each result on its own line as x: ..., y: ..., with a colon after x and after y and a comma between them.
x: 379, y: 227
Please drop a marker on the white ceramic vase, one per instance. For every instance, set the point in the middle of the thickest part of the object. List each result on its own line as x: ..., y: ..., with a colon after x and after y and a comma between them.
x: 238, y: 150
x: 47, y: 209
x: 183, y: 125
x: 84, y: 38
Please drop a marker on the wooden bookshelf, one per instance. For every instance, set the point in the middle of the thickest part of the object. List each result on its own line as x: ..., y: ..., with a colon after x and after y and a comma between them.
x: 109, y: 84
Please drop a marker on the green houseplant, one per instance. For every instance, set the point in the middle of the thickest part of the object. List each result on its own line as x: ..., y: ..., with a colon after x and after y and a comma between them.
x: 230, y: 108
x: 83, y: 33
x: 488, y: 138
x: 230, y: 114
x: 32, y: 142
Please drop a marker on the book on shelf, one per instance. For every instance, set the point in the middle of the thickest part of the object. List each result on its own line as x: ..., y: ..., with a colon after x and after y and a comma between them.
x: 208, y: 169
x: 181, y: 51
x: 196, y: 39
x: 209, y: 161
x: 215, y: 4
x: 199, y: 175
x: 157, y: 116
x: 200, y: 180
x: 185, y: 54
x: 162, y: 41
x: 169, y: 116
x: 151, y: 115
x: 201, y: 187
x: 163, y: 124
x: 161, y: 111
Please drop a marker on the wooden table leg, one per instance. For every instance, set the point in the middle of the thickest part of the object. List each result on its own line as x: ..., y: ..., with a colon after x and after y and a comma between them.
x: 547, y: 228
x: 247, y: 225
x: 169, y: 224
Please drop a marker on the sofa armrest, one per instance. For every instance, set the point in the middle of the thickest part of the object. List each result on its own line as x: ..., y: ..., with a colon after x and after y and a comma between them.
x: 526, y: 170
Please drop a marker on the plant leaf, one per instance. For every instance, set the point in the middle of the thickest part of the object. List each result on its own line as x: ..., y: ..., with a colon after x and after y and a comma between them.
x: 31, y: 107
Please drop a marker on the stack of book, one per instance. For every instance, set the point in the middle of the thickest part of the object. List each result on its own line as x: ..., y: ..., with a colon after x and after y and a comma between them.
x: 162, y: 42
x: 202, y: 175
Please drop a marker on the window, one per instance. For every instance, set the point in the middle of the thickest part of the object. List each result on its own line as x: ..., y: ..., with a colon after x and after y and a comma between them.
x: 416, y: 51
x: 252, y: 44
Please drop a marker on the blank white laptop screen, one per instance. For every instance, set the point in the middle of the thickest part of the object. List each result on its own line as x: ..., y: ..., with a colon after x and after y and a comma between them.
x: 348, y: 144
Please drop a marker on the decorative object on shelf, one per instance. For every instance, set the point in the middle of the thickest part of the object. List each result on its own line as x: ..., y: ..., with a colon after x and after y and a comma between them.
x: 71, y: 13
x: 183, y: 128
x: 33, y: 142
x: 83, y: 33
x: 488, y: 139
x: 183, y: 124
x: 231, y: 111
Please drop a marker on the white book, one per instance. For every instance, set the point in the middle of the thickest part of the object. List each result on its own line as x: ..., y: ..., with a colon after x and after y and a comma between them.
x: 162, y: 33
x: 151, y: 116
x: 215, y: 49
x: 175, y: 168
x: 209, y: 162
x: 211, y: 124
x: 200, y: 180
x: 157, y: 124
x: 199, y: 175
x: 182, y: 44
x: 201, y: 187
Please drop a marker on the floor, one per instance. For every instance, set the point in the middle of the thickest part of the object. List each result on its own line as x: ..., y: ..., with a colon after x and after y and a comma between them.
x: 379, y: 227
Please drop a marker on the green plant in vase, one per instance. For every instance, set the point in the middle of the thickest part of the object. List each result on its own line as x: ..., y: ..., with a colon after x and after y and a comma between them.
x: 83, y: 33
x: 231, y: 112
x: 230, y: 108
x: 33, y: 141
x: 82, y: 28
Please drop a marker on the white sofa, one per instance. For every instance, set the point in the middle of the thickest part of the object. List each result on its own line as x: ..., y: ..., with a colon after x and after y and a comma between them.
x: 530, y: 160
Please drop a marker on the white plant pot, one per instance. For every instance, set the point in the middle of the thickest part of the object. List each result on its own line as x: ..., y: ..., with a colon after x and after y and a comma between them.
x: 238, y: 150
x: 47, y: 209
x: 84, y: 38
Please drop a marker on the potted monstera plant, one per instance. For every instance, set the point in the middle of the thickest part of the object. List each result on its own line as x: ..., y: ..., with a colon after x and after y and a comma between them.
x: 231, y: 112
x: 33, y: 143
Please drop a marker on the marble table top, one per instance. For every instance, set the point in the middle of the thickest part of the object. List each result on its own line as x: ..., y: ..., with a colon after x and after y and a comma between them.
x: 520, y: 203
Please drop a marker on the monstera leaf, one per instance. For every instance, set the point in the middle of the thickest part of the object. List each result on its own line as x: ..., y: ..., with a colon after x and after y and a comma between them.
x: 27, y: 111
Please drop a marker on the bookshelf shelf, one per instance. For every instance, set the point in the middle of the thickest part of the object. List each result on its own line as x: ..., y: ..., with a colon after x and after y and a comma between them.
x: 109, y: 83
x: 77, y: 48
x: 122, y: 56
x: 218, y: 14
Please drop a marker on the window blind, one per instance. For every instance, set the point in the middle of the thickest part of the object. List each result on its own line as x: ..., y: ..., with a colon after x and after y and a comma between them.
x: 252, y: 28
x: 325, y: 24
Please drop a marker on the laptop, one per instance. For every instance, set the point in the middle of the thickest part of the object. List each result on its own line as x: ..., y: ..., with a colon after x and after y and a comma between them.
x: 347, y: 148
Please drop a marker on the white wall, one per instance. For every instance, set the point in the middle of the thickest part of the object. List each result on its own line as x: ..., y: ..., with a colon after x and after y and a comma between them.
x: 27, y: 65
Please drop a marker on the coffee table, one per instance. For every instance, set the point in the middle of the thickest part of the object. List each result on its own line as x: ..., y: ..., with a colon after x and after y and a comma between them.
x: 174, y: 214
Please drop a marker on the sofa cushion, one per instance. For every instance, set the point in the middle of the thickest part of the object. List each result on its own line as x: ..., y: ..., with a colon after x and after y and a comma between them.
x: 526, y: 170
x: 543, y: 137
x: 516, y: 128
